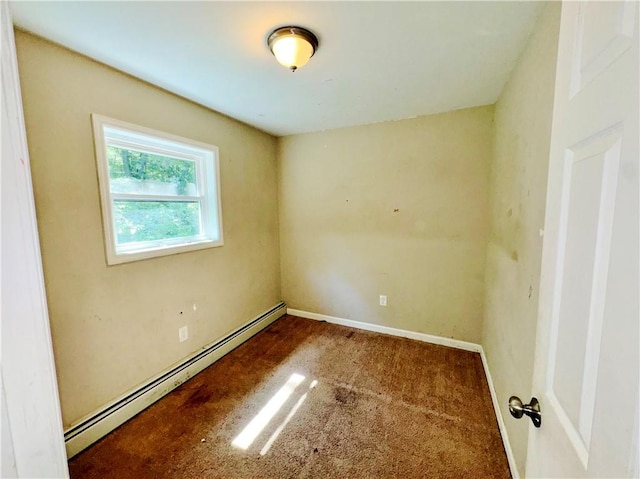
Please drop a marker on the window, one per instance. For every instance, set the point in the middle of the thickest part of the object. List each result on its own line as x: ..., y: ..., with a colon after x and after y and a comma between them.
x: 160, y: 193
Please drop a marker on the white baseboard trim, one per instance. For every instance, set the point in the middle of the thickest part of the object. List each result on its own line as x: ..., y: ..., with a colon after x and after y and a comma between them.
x: 101, y: 422
x: 503, y: 430
x: 403, y: 333
x: 428, y: 338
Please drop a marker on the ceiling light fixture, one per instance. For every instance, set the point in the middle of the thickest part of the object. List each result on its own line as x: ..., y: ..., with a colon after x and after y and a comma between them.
x: 292, y: 46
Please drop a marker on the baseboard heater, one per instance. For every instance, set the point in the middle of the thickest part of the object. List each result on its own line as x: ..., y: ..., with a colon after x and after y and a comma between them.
x: 105, y: 420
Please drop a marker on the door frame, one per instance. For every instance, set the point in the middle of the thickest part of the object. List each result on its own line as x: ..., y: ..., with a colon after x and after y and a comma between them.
x: 32, y: 432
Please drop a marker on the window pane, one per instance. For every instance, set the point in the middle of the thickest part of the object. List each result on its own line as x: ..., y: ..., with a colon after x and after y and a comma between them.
x: 132, y: 171
x: 155, y: 220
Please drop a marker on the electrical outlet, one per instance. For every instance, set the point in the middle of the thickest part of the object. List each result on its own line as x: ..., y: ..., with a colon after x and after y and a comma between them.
x: 183, y: 333
x: 383, y: 300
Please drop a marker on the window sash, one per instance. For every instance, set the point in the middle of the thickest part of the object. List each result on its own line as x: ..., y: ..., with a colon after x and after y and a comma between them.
x: 144, y: 148
x: 199, y: 160
x: 204, y: 229
x: 152, y: 197
x: 153, y: 143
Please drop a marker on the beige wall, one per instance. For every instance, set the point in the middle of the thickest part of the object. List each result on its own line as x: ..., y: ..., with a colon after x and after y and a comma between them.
x: 518, y: 189
x: 115, y: 327
x: 343, y: 244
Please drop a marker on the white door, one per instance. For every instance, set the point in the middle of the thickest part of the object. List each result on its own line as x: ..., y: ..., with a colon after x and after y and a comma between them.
x: 32, y: 437
x: 586, y: 370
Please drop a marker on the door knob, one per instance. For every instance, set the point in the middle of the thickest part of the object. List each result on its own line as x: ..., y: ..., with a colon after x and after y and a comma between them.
x: 517, y: 409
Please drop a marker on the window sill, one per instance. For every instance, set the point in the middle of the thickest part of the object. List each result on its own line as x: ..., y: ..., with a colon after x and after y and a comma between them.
x: 114, y: 258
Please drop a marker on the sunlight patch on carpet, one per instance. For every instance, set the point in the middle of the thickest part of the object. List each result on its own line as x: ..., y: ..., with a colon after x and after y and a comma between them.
x: 260, y: 421
x: 293, y: 411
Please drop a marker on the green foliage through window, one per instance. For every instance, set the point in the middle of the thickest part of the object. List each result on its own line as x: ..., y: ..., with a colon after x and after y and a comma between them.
x: 155, y: 220
x: 137, y: 165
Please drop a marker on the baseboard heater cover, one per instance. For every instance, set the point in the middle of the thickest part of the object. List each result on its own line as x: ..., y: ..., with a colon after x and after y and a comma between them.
x: 99, y: 424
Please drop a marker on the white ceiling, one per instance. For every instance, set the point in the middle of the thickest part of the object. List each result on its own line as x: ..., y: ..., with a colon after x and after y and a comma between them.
x: 377, y: 61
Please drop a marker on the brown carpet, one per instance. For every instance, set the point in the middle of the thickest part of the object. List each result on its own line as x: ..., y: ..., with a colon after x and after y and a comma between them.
x: 352, y: 404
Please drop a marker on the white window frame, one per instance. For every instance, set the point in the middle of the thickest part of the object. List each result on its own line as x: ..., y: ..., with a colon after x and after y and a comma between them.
x: 108, y: 131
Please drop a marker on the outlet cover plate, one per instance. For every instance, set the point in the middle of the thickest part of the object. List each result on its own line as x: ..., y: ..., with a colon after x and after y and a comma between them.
x: 183, y: 333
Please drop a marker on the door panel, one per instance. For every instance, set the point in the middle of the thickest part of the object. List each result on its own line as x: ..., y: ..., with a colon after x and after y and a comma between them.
x: 604, y: 32
x: 588, y: 199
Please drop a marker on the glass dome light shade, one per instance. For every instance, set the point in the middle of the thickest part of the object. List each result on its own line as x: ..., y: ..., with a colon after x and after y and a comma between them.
x: 292, y: 46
